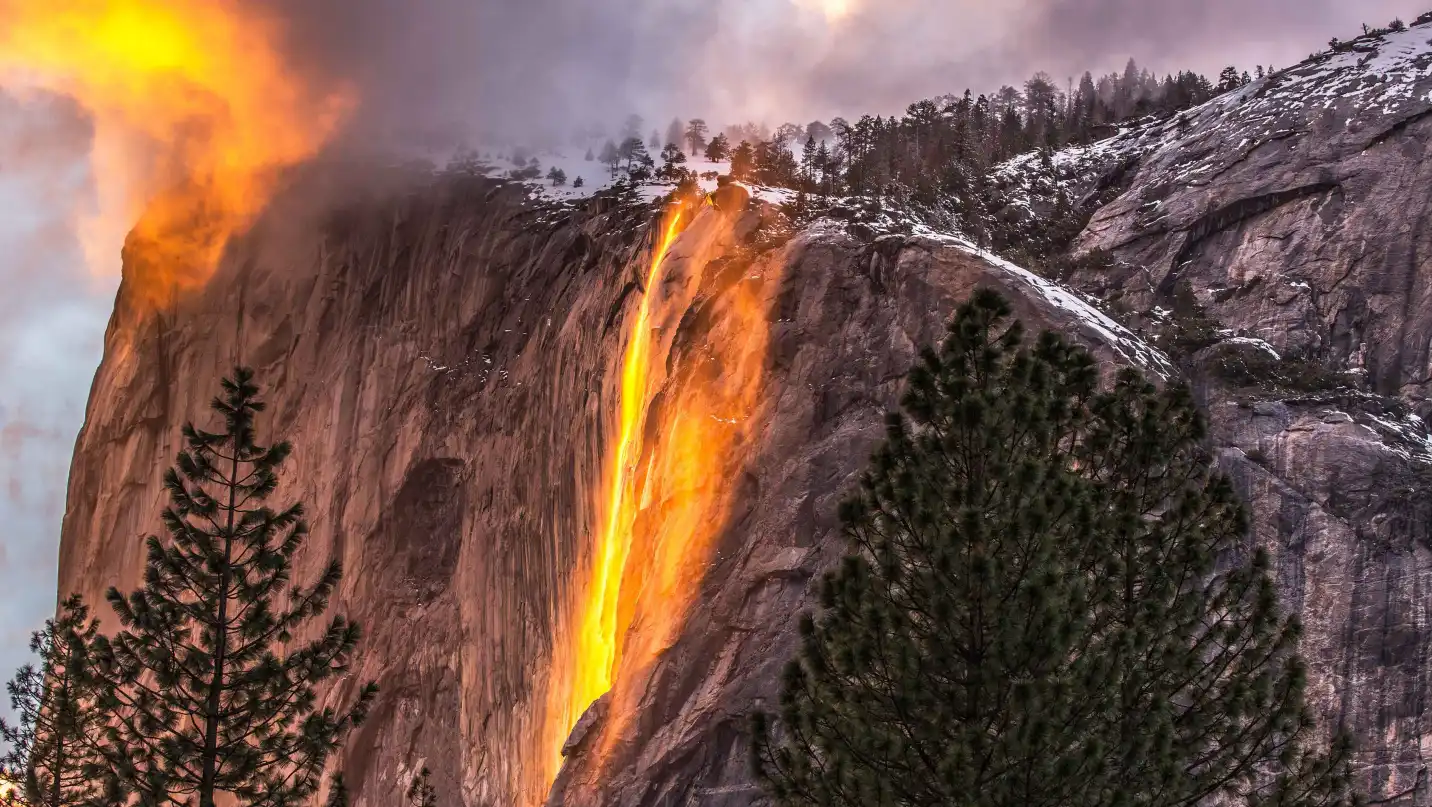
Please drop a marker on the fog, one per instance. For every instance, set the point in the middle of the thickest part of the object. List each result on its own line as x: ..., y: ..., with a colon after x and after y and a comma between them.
x: 525, y: 67
x: 543, y: 66
x: 52, y: 319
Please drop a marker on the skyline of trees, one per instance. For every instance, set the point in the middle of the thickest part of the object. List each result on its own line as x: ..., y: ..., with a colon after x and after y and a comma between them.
x: 1074, y: 109
x: 936, y: 159
x: 940, y: 148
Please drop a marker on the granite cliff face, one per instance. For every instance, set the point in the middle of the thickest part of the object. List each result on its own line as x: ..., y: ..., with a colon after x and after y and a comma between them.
x: 1281, y: 230
x: 447, y: 359
x: 437, y: 358
x: 445, y: 363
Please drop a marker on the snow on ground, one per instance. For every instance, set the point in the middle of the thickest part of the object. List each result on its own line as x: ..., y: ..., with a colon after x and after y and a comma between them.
x: 597, y: 176
x: 1370, y: 81
x: 1373, y: 81
x: 593, y: 174
x: 1025, y: 178
x: 1122, y: 340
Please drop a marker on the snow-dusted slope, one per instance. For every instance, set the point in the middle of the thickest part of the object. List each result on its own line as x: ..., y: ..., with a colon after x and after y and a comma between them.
x: 596, y: 176
x: 1368, y: 88
x: 1373, y: 84
x: 1290, y: 209
x: 1288, y: 220
x: 1066, y: 306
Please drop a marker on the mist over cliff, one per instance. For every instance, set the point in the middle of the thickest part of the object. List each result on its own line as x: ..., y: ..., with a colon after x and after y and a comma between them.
x: 52, y: 319
x: 478, y: 370
x: 505, y: 394
x: 545, y: 66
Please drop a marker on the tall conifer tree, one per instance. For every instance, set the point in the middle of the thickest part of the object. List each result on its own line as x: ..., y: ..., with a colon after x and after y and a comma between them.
x: 1052, y: 602
x: 53, y: 757
x: 210, y: 687
x: 808, y: 162
x: 718, y: 149
x: 696, y: 136
x: 421, y: 792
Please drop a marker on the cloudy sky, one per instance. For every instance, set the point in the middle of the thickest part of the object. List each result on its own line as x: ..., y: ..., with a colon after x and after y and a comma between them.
x: 496, y: 64
x: 52, y: 320
x: 545, y: 64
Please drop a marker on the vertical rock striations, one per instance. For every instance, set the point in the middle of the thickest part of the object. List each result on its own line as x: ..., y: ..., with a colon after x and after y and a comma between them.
x: 445, y: 359
x: 439, y: 357
x: 446, y: 356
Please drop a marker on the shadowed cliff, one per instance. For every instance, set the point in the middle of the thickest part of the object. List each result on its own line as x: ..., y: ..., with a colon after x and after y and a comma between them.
x: 443, y: 353
x: 446, y: 353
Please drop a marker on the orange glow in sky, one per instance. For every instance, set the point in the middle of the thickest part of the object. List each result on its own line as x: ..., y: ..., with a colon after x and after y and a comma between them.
x: 195, y: 113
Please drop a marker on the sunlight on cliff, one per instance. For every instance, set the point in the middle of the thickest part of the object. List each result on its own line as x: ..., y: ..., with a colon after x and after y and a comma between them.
x: 597, y: 643
x: 672, y: 475
x: 194, y: 113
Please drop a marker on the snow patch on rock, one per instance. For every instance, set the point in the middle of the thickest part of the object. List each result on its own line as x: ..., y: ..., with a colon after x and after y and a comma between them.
x: 1119, y: 338
x: 1123, y: 341
x: 1258, y: 343
x: 1407, y: 437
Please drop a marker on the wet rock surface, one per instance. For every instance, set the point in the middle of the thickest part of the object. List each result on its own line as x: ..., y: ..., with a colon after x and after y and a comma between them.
x: 445, y: 360
x: 439, y: 358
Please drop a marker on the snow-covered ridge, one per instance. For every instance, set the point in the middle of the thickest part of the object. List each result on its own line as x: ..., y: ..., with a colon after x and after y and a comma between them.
x: 583, y: 178
x: 1120, y: 339
x: 1025, y: 177
x: 1377, y: 73
x: 1373, y: 82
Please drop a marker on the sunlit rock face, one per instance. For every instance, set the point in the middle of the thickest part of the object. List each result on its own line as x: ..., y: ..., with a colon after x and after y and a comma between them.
x: 445, y: 357
x: 438, y: 356
x: 449, y: 358
x: 1293, y: 213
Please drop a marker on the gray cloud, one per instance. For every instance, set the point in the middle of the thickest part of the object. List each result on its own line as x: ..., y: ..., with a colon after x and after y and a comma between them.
x: 1210, y: 33
x: 486, y: 65
x: 52, y: 320
x: 544, y: 64
x: 525, y: 65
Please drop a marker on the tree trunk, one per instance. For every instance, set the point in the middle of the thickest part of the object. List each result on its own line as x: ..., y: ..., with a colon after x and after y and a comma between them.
x: 55, y: 789
x: 221, y: 646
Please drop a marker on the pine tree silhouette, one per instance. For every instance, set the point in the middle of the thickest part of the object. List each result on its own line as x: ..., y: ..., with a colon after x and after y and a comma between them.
x: 337, y: 792
x: 421, y: 792
x: 53, y: 757
x: 208, y: 687
x: 1051, y: 602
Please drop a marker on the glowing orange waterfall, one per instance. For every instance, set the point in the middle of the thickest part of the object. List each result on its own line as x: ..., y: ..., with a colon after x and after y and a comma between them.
x: 597, y: 642
x: 670, y: 479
